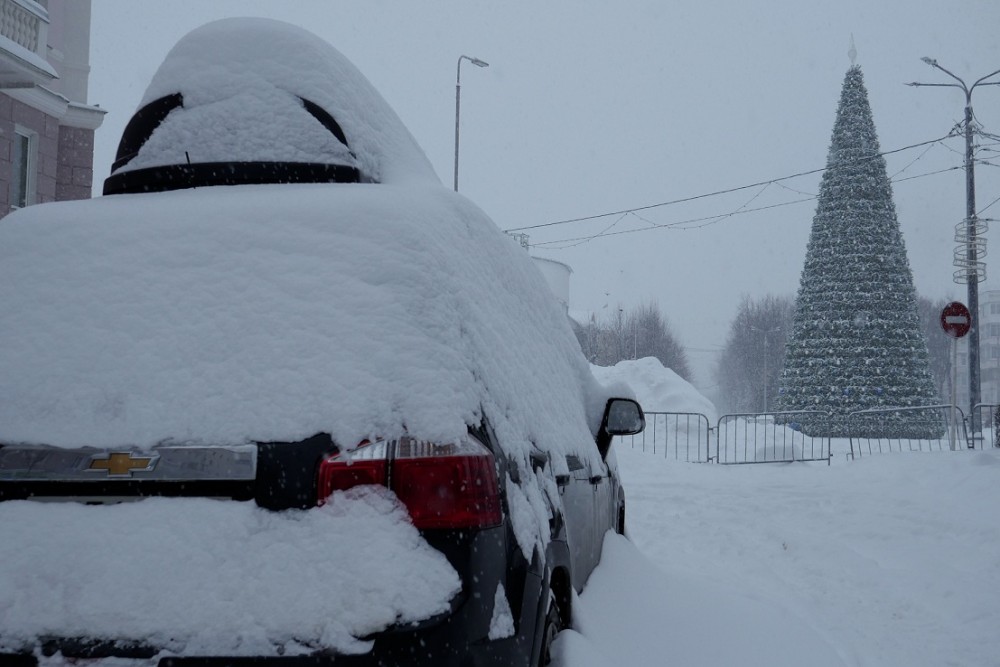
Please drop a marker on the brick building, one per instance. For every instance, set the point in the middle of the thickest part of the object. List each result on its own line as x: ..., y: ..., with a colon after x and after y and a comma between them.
x: 46, y: 126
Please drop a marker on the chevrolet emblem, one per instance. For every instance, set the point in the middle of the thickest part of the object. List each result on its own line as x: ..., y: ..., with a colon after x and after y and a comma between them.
x: 123, y: 464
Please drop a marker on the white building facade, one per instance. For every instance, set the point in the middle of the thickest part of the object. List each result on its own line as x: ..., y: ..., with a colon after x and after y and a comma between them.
x: 989, y: 354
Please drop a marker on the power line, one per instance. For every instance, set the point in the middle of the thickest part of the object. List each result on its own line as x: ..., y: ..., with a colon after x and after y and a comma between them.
x: 717, y: 192
x: 914, y: 161
x: 987, y: 206
x: 929, y: 173
x: 706, y: 220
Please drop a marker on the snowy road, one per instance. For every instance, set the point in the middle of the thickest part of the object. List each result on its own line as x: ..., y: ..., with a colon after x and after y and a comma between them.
x: 887, y: 561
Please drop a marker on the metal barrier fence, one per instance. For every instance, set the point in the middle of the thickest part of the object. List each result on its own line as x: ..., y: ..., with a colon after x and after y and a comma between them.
x: 776, y: 437
x: 984, y: 432
x: 768, y: 438
x: 682, y: 436
x: 947, y: 419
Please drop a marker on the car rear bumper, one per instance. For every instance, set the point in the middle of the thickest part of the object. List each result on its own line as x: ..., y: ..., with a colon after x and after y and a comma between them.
x: 458, y: 637
x: 423, y: 650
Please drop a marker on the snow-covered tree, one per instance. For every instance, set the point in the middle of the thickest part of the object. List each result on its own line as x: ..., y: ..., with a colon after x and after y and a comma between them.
x: 754, y: 354
x: 856, y: 340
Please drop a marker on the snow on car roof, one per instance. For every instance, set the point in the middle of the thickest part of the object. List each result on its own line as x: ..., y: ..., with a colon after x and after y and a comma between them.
x: 242, y: 81
x: 274, y: 312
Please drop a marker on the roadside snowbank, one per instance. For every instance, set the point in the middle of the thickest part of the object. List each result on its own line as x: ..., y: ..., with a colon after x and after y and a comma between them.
x: 657, y: 388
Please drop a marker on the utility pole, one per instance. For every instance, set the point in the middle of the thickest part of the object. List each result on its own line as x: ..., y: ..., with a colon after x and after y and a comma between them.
x: 971, y: 269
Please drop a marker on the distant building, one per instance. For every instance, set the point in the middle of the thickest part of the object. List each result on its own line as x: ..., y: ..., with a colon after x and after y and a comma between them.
x: 989, y: 353
x: 46, y: 125
x: 556, y: 273
x: 557, y: 276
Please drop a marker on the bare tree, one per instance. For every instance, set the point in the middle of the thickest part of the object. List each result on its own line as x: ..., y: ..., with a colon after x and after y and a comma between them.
x: 750, y: 365
x: 653, y: 337
x: 635, y: 334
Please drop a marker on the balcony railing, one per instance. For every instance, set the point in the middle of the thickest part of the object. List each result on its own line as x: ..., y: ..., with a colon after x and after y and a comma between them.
x: 25, y: 23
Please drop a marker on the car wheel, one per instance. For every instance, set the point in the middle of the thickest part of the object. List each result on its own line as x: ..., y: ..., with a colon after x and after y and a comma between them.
x: 553, y: 626
x: 620, y: 524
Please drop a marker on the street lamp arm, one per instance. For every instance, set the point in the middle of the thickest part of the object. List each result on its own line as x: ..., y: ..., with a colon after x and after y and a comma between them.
x: 991, y: 83
x: 935, y: 65
x: 936, y: 85
x: 475, y: 61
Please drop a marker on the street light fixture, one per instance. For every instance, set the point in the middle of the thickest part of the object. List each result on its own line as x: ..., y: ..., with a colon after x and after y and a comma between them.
x: 458, y: 97
x: 971, y: 268
x: 766, y: 333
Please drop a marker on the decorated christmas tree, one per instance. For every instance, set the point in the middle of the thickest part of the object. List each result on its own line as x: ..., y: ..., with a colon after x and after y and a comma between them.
x: 856, y: 341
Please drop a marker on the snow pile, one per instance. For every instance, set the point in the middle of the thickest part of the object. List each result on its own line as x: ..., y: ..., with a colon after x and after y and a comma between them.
x: 657, y: 388
x: 632, y: 613
x: 216, y: 572
x: 243, y: 80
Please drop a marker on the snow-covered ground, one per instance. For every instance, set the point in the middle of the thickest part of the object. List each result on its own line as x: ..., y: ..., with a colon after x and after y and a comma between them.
x: 886, y: 561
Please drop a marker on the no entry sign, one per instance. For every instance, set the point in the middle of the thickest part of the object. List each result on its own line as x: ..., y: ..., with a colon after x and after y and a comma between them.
x: 956, y: 319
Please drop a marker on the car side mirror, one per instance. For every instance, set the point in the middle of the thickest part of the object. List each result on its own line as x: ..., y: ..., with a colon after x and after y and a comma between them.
x: 622, y: 416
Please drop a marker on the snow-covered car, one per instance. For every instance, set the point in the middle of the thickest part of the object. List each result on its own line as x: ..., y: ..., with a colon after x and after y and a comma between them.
x: 356, y: 426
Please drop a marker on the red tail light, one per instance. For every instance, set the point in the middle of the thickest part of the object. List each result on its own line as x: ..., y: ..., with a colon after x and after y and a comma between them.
x: 450, y: 485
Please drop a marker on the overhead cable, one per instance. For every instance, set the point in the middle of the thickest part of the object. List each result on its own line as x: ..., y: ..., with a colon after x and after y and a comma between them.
x: 717, y: 192
x: 705, y: 221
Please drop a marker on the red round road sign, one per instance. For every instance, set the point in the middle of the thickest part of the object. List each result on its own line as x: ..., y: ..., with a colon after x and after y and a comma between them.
x: 956, y: 319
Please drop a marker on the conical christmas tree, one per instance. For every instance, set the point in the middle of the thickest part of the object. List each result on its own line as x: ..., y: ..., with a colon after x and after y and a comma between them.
x: 856, y: 341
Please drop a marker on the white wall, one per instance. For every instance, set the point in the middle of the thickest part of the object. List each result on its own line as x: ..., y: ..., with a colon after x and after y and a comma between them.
x: 557, y: 276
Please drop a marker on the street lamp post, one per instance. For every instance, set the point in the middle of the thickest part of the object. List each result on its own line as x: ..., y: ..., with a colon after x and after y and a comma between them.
x: 458, y: 104
x: 766, y: 333
x: 969, y: 271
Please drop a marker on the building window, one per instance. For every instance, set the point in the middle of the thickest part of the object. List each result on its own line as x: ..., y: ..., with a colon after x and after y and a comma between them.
x: 995, y: 309
x: 24, y: 158
x: 994, y: 331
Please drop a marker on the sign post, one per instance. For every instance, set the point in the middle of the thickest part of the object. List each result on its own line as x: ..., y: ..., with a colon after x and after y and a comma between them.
x: 956, y: 320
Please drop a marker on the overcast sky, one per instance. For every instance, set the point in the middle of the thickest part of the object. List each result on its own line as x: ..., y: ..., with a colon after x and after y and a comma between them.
x: 592, y: 107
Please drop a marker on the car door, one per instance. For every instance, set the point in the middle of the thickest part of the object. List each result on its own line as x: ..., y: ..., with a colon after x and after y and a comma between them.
x: 605, y: 500
x: 578, y: 504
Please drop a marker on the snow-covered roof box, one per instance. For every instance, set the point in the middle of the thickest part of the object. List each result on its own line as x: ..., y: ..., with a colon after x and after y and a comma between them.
x: 225, y: 111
